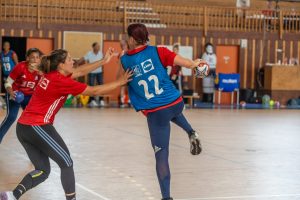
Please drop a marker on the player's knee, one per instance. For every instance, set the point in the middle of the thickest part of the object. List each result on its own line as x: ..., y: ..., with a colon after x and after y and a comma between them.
x: 162, y: 156
x: 39, y: 176
x: 161, y: 152
x: 70, y: 165
x: 47, y: 170
x: 66, y: 163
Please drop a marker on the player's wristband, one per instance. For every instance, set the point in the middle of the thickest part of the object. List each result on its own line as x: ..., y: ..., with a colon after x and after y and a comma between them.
x: 8, y: 83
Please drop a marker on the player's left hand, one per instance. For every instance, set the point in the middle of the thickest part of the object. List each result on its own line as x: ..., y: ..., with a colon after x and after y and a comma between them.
x: 109, y: 54
x: 126, y: 77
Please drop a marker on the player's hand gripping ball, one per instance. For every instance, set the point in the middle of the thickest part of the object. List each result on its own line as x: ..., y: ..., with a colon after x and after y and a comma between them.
x: 19, y: 97
x: 202, y: 70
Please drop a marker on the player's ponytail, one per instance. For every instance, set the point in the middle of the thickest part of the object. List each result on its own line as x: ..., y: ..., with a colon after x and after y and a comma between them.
x: 50, y: 63
x: 45, y: 64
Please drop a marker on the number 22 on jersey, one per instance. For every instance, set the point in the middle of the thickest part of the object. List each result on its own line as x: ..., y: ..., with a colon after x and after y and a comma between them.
x: 144, y: 83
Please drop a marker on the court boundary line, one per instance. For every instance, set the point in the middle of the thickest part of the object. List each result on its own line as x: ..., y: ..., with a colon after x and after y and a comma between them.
x: 84, y: 188
x: 243, y: 197
x: 91, y: 191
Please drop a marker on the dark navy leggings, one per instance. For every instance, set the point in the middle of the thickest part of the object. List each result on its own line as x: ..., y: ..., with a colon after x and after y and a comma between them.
x: 159, y: 128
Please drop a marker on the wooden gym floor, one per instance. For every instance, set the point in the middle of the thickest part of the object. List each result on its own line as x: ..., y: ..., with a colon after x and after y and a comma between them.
x: 248, y: 154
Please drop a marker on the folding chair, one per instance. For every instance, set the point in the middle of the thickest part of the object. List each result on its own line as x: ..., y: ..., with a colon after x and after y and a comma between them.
x: 228, y: 83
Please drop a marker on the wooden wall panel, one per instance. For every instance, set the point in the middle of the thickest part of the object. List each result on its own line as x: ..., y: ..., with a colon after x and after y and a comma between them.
x: 245, y: 68
x: 259, y: 51
x: 45, y: 45
x: 298, y: 50
x: 112, y: 68
x: 79, y: 43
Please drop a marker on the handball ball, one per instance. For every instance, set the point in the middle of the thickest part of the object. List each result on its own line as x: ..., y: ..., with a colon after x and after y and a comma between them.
x: 202, y: 70
x: 19, y: 97
x: 277, y: 104
x: 271, y: 103
x: 243, y: 104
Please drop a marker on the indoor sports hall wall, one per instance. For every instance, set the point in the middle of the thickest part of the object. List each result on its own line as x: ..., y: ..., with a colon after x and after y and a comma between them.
x: 260, y: 49
x: 79, y: 43
x: 44, y: 44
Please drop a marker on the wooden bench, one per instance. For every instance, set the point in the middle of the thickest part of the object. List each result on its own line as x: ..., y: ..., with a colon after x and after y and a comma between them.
x: 190, y: 99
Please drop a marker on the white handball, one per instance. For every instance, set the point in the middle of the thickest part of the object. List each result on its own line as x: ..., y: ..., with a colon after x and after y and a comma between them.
x: 202, y: 70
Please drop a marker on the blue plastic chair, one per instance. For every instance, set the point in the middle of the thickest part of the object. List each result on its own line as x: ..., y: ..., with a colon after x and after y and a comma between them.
x: 228, y: 83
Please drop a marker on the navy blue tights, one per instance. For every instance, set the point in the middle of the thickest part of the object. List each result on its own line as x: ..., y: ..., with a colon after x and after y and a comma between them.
x: 159, y: 128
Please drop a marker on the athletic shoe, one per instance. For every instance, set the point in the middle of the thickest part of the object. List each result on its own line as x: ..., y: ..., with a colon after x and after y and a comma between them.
x: 93, y: 104
x: 195, y: 143
x: 170, y: 198
x: 7, y: 196
x: 102, y: 103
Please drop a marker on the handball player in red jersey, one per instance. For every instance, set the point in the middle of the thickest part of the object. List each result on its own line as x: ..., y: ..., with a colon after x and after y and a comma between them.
x: 35, y: 128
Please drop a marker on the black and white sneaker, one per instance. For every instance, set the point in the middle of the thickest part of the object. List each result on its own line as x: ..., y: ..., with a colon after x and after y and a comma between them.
x: 195, y: 143
x: 7, y: 196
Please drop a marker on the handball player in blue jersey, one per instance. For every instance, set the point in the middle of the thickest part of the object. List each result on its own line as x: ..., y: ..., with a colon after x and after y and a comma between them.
x: 152, y: 92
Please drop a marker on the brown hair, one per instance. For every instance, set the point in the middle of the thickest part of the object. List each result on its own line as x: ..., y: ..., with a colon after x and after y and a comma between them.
x: 94, y: 44
x: 139, y: 33
x: 176, y: 46
x: 50, y: 63
x: 33, y: 50
x: 5, y: 43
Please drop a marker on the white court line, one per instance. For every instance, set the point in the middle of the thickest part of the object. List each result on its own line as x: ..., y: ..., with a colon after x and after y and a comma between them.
x: 91, y: 191
x: 58, y: 174
x: 244, y: 197
x: 86, y: 189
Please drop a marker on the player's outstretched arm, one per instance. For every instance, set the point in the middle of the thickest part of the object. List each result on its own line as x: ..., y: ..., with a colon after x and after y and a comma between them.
x: 86, y: 68
x: 184, y: 62
x: 102, y: 89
